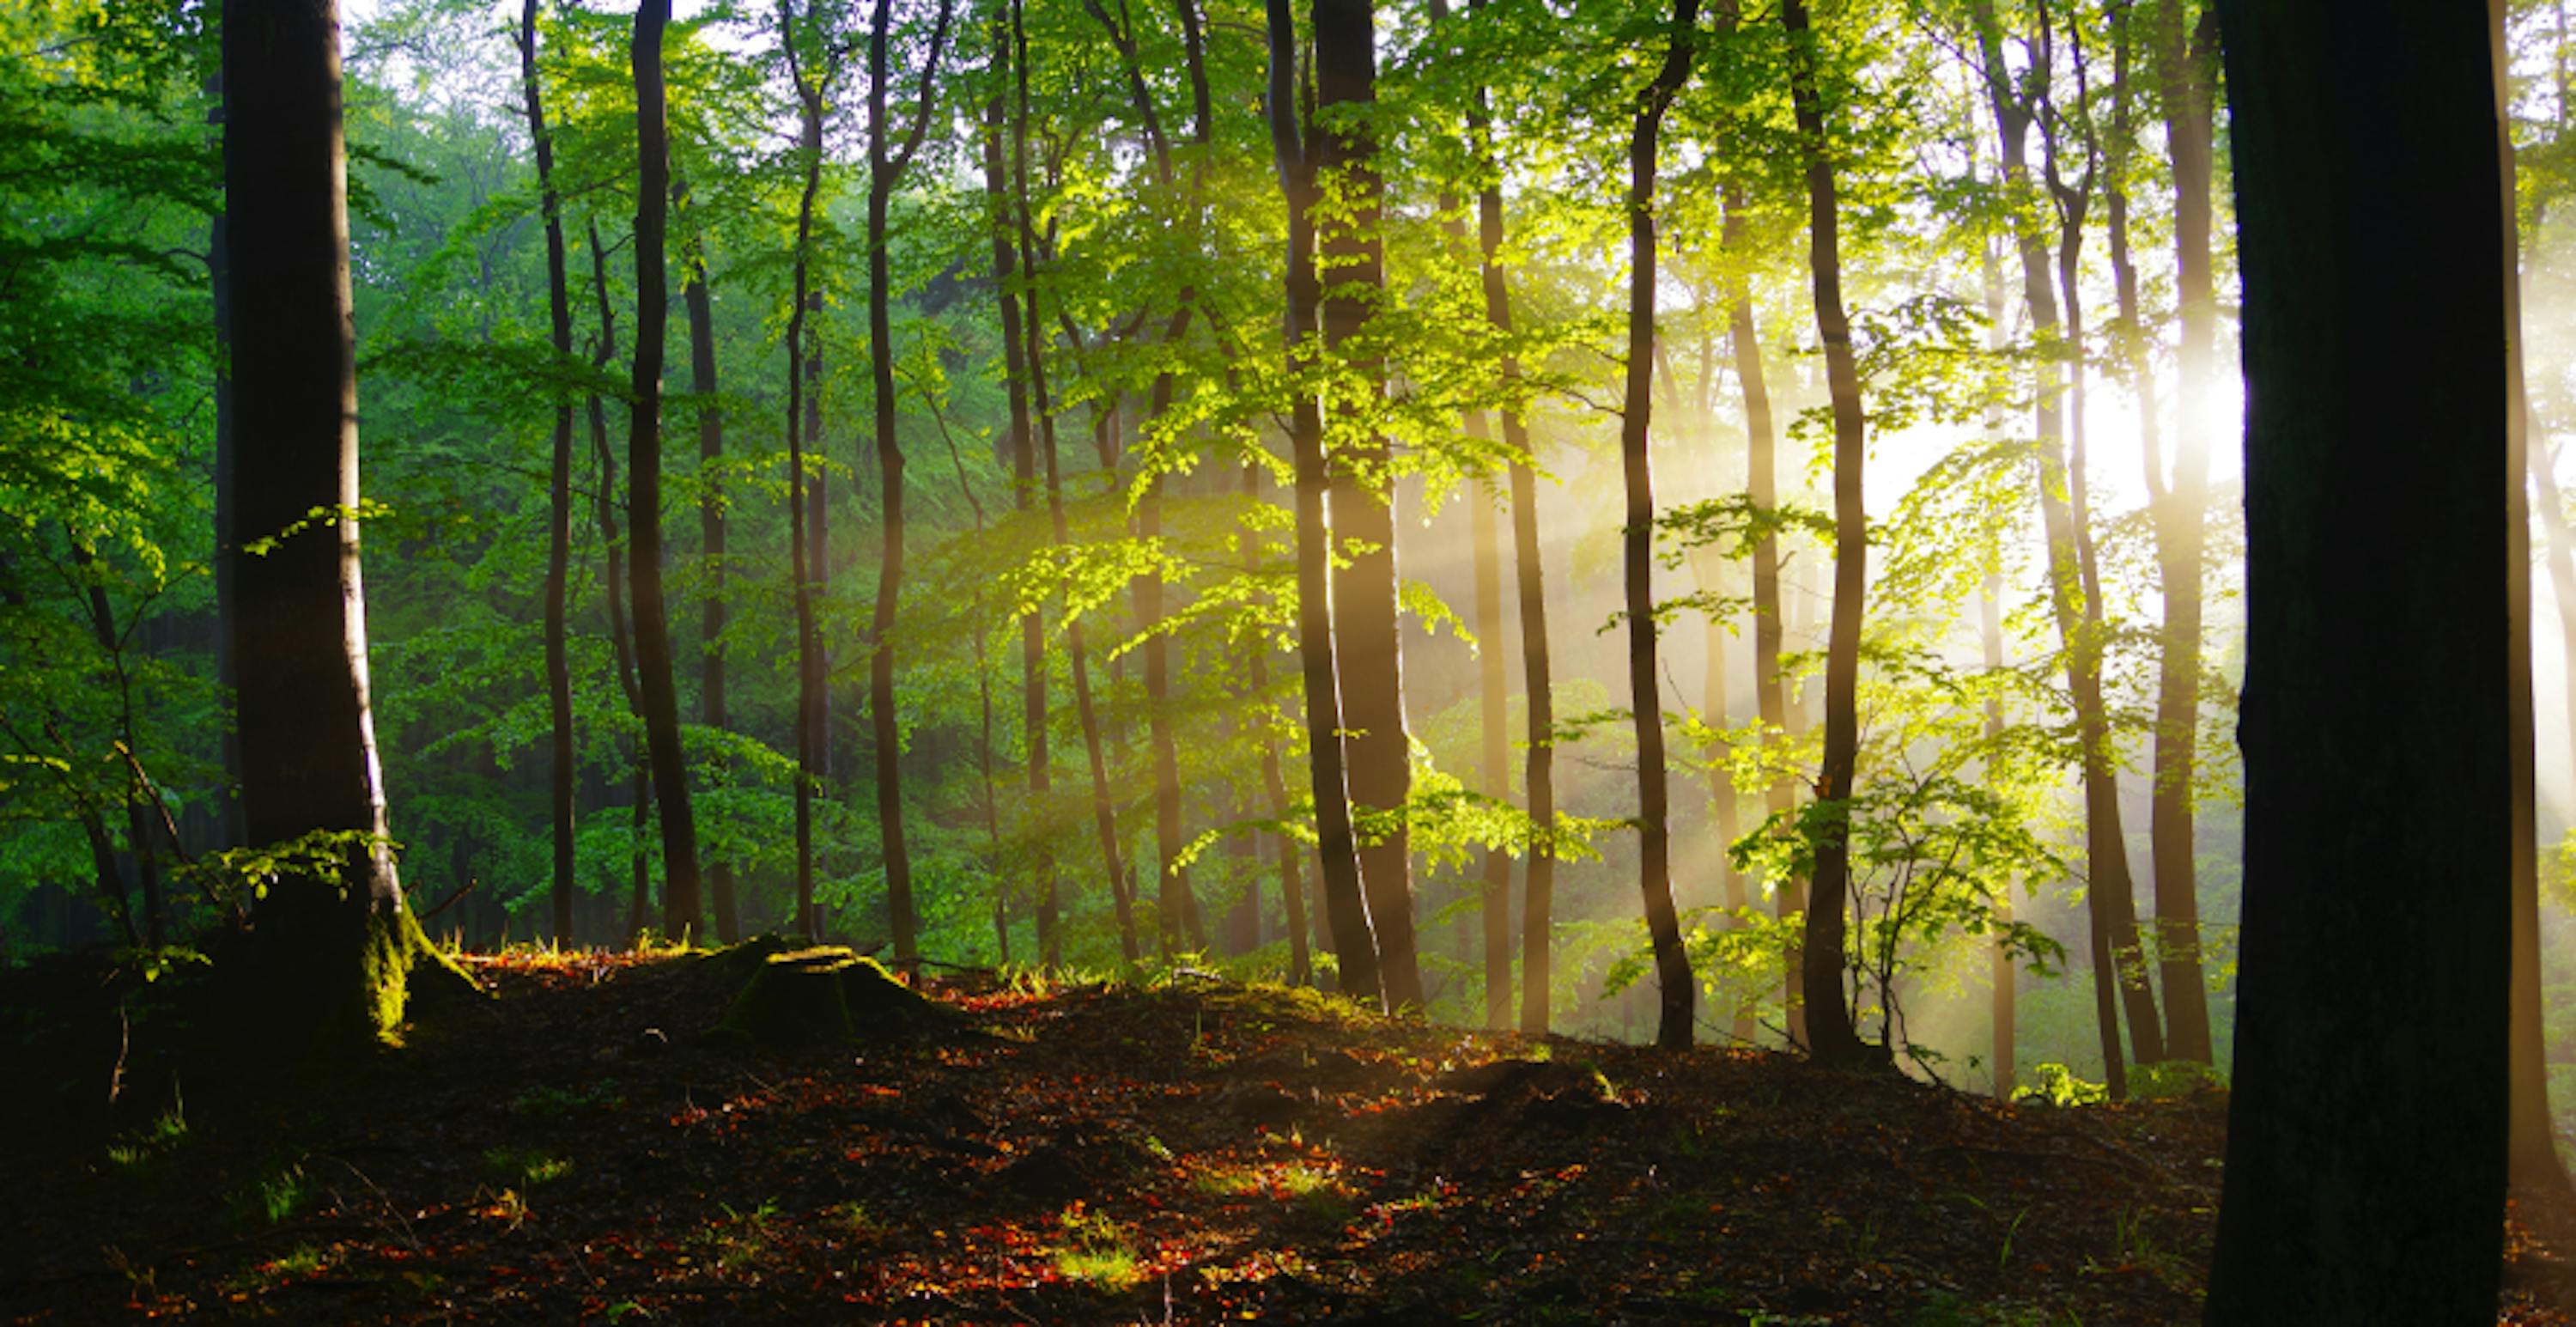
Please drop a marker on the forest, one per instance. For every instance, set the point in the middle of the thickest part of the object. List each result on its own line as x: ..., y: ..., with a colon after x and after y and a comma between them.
x: 1748, y: 661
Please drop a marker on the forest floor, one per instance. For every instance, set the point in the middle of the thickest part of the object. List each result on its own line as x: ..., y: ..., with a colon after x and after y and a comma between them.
x: 579, y: 1148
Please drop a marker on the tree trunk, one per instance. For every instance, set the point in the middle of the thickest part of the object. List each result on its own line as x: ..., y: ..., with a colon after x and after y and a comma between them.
x: 1292, y: 892
x: 1831, y: 1038
x: 2179, y: 506
x: 1762, y: 453
x: 1539, y: 778
x: 804, y: 550
x: 1346, y: 909
x: 331, y: 957
x: 558, y: 493
x: 886, y: 165
x: 1023, y: 452
x: 227, y: 551
x: 680, y: 911
x: 1380, y: 754
x: 2002, y: 1006
x: 711, y: 530
x: 1645, y: 700
x: 2107, y: 893
x: 621, y: 640
x: 2367, y: 1136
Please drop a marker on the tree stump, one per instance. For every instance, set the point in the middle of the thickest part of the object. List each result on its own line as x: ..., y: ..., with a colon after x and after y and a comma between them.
x: 824, y: 996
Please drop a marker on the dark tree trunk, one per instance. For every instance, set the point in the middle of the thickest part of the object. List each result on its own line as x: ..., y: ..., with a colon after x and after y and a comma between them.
x: 1990, y: 630
x: 887, y: 162
x: 2107, y: 895
x: 1830, y: 1036
x: 711, y: 532
x: 1292, y: 890
x: 680, y: 910
x: 621, y: 640
x: 330, y: 957
x: 1762, y: 490
x: 565, y: 764
x: 2367, y: 1131
x: 1023, y: 454
x: 2185, y: 70
x: 1370, y: 655
x: 1346, y: 910
x: 1539, y: 778
x: 804, y: 550
x: 1654, y: 823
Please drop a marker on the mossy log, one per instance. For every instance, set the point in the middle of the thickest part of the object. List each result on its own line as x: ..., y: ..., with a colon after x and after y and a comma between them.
x: 827, y: 995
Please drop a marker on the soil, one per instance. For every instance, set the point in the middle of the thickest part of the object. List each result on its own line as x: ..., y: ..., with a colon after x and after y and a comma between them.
x: 588, y: 1146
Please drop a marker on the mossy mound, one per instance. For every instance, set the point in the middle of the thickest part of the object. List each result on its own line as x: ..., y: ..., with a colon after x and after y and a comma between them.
x: 826, y: 995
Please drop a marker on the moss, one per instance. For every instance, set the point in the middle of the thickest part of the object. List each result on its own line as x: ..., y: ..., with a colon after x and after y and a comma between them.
x: 400, y: 964
x: 823, y: 996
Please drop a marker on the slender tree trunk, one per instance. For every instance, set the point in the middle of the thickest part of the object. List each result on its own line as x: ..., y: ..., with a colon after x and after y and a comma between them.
x: 887, y: 162
x: 1292, y: 892
x: 1723, y: 821
x: 1762, y: 452
x: 558, y: 494
x: 620, y: 638
x: 1654, y: 827
x: 1991, y: 636
x: 804, y: 550
x: 1539, y: 778
x: 2367, y: 1137
x: 2106, y: 853
x: 2185, y: 70
x: 1830, y: 1036
x: 680, y: 910
x: 1346, y: 907
x: 1023, y: 453
x: 1177, y: 907
x: 1380, y: 756
x: 330, y: 958
x: 711, y: 530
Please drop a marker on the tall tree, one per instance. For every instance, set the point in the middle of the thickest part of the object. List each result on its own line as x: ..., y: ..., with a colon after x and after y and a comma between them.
x: 1830, y: 1035
x: 1677, y: 986
x: 887, y: 162
x: 332, y: 951
x: 700, y: 306
x: 2018, y: 105
x: 680, y: 909
x: 1369, y: 642
x: 811, y: 76
x: 2367, y: 1129
x: 558, y: 490
x: 2185, y: 59
x: 1346, y: 907
x: 1539, y: 774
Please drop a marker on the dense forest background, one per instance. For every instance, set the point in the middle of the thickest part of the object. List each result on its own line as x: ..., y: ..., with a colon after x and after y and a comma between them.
x: 1023, y: 266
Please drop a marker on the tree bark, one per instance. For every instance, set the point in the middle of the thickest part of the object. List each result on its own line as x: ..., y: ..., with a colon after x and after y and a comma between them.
x: 680, y: 908
x: 621, y: 640
x: 1000, y: 203
x: 804, y: 548
x: 711, y: 533
x: 2367, y: 1134
x: 1831, y: 1038
x: 558, y: 493
x: 1762, y: 490
x: 1346, y: 907
x: 1371, y: 659
x: 887, y: 163
x: 1292, y: 890
x: 330, y: 957
x: 2186, y: 74
x: 1654, y: 824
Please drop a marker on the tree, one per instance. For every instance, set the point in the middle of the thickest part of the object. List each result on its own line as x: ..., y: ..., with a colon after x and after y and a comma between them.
x: 2375, y: 723
x: 1369, y: 652
x: 680, y: 909
x: 558, y: 490
x: 1347, y: 913
x: 1654, y: 857
x: 334, y: 946
x: 1830, y: 1036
